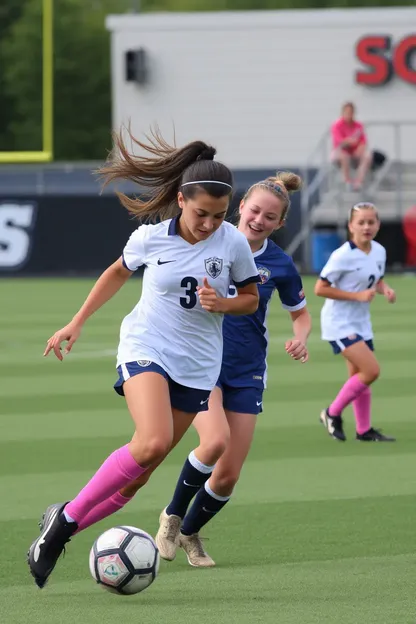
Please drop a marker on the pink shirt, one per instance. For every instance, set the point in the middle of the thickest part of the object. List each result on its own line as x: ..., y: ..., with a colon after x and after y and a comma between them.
x: 341, y: 130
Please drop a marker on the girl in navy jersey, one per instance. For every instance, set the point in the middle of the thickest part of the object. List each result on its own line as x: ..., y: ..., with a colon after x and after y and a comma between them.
x: 349, y: 281
x: 226, y: 429
x: 169, y: 356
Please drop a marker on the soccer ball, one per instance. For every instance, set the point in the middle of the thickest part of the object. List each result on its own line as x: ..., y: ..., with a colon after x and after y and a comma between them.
x: 124, y: 560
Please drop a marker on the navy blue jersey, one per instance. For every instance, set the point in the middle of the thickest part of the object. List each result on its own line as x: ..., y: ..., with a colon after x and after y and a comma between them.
x: 246, y: 337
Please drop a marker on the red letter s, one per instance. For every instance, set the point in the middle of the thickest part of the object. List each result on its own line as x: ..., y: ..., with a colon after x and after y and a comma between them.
x: 370, y: 51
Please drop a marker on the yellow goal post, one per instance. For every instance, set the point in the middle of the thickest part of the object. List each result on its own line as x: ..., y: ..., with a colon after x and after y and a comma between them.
x: 46, y: 153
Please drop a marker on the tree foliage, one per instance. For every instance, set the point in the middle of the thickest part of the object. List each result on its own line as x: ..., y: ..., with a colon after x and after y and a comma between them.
x: 82, y: 85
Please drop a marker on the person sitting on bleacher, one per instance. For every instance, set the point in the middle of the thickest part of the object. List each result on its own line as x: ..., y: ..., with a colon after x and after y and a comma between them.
x: 350, y: 147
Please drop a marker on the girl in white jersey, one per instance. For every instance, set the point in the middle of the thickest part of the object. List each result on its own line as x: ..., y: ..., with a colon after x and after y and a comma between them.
x: 349, y: 281
x: 226, y: 430
x: 170, y: 349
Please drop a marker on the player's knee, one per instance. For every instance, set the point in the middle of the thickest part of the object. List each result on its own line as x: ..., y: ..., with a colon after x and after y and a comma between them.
x: 368, y: 157
x: 215, y: 447
x: 371, y: 374
x: 153, y: 449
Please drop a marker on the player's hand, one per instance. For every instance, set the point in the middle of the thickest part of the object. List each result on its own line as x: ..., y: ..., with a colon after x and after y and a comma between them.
x: 349, y: 141
x: 297, y: 350
x: 69, y: 333
x: 366, y: 296
x: 389, y: 294
x: 208, y: 297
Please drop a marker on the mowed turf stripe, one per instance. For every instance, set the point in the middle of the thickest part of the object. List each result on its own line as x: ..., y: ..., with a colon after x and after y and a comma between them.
x: 84, y: 373
x: 291, y: 532
x: 78, y: 383
x: 292, y: 413
x: 82, y: 363
x: 46, y: 322
x: 114, y: 420
x: 104, y: 422
x: 278, y: 335
x: 284, y: 593
x: 62, y: 454
x: 77, y: 388
x: 280, y: 480
x: 281, y: 368
x: 333, y: 370
x: 386, y: 353
x: 108, y: 331
x: 73, y: 401
x: 296, y: 531
x: 33, y: 357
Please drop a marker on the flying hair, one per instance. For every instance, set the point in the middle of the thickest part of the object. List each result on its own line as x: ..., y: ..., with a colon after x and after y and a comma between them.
x: 161, y: 172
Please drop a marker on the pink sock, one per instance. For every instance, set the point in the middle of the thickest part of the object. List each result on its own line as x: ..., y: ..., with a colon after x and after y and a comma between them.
x: 362, y: 411
x: 349, y: 391
x: 104, y: 509
x: 117, y: 471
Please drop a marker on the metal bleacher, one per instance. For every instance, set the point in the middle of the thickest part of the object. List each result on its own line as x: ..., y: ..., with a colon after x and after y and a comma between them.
x: 325, y: 202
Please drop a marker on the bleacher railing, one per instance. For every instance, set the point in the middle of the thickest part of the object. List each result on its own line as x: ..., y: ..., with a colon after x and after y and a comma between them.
x: 398, y: 145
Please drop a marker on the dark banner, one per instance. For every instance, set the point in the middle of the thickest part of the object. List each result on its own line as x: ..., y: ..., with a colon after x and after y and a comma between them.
x: 69, y: 235
x: 62, y: 235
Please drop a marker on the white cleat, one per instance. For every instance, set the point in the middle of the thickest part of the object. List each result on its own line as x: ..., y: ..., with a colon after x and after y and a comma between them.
x: 167, y: 537
x: 334, y: 425
x: 197, y: 556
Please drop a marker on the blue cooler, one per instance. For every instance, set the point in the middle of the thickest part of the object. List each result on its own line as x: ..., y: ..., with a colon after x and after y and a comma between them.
x: 324, y: 242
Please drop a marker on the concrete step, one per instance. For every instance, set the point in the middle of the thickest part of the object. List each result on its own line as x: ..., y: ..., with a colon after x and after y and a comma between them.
x: 388, y: 184
x: 386, y: 196
x: 408, y: 167
x: 331, y: 214
x: 335, y: 203
x: 407, y: 179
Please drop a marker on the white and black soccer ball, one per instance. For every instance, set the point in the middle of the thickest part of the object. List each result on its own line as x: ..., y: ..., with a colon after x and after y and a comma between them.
x: 124, y: 560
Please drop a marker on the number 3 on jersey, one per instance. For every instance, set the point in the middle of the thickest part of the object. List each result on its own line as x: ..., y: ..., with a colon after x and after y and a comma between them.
x: 189, y: 301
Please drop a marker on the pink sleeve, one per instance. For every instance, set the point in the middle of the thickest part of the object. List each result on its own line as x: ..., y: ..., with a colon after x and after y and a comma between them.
x: 337, y: 137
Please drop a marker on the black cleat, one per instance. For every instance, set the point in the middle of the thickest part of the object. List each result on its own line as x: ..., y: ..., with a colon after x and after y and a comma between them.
x: 47, y: 548
x: 374, y: 435
x: 333, y: 425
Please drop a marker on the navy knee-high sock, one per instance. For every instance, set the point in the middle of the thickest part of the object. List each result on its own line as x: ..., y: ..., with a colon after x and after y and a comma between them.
x: 193, y: 476
x: 205, y: 506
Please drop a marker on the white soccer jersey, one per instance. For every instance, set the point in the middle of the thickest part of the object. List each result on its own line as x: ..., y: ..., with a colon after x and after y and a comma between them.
x: 168, y: 325
x: 353, y: 270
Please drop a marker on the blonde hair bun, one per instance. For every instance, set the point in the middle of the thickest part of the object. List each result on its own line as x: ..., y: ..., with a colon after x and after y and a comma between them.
x: 291, y: 181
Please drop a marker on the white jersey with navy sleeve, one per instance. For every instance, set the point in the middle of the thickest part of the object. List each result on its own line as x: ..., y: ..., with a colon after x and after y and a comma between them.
x: 246, y: 337
x: 168, y: 326
x: 351, y: 269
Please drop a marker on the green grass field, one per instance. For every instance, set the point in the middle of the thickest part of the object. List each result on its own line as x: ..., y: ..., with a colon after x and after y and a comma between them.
x: 317, y: 532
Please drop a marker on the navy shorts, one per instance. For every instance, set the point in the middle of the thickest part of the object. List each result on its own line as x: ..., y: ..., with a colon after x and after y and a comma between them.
x: 245, y: 400
x: 342, y: 343
x: 190, y: 400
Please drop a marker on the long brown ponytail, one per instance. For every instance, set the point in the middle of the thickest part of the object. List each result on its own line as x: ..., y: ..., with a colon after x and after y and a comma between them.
x: 162, y: 171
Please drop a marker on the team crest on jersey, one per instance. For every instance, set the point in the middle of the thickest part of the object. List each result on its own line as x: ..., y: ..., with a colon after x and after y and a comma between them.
x: 264, y: 274
x: 144, y: 363
x: 380, y: 266
x: 213, y: 266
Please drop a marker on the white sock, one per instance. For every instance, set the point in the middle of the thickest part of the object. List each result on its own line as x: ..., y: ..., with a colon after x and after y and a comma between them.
x: 67, y: 516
